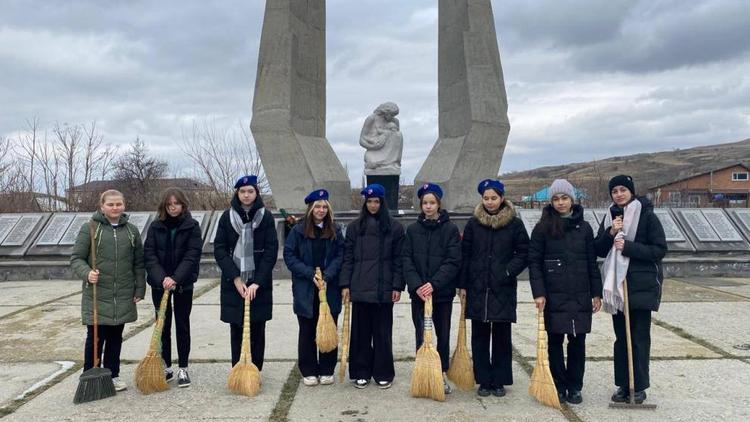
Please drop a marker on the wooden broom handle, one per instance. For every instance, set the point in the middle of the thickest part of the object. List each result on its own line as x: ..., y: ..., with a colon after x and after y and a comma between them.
x: 428, y: 320
x: 246, y: 333
x: 92, y: 254
x: 629, y: 342
x: 156, y: 335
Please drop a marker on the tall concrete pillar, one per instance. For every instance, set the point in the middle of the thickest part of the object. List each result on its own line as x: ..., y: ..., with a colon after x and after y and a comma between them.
x: 472, y: 104
x: 289, y: 106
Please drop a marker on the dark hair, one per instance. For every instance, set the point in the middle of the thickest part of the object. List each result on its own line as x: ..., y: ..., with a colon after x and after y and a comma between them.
x: 551, y: 223
x: 329, y: 230
x: 179, y: 195
x: 383, y: 217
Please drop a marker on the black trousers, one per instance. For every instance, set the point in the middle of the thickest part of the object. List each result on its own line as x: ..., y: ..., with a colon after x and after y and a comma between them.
x: 570, y: 376
x: 183, y: 304
x: 257, y: 342
x: 441, y: 318
x: 371, y: 342
x: 311, y: 362
x: 110, y: 343
x: 640, y: 330
x: 495, y: 369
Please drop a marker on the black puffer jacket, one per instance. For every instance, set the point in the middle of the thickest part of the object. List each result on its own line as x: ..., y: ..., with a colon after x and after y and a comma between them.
x: 372, y: 260
x: 266, y: 249
x: 564, y: 271
x: 645, y: 276
x: 495, y: 251
x: 186, y: 253
x: 432, y: 253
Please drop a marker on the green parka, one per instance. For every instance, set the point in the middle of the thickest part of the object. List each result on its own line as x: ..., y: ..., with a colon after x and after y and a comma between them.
x: 119, y: 258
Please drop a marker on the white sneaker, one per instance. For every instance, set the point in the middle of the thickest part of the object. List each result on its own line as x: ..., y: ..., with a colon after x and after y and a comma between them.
x: 119, y: 384
x: 326, y: 379
x: 310, y: 381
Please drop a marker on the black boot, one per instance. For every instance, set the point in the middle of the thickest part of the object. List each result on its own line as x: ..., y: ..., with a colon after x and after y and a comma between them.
x: 620, y: 396
x: 574, y: 397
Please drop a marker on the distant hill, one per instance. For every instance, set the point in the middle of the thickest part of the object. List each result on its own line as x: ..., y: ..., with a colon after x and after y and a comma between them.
x: 647, y: 169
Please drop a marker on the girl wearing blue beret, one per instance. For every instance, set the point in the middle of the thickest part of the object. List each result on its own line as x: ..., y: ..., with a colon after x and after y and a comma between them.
x: 315, y: 242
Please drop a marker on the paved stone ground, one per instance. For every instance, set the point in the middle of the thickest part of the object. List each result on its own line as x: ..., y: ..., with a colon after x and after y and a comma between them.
x: 699, y: 369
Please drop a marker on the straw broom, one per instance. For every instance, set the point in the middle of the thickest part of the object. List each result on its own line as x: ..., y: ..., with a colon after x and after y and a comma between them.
x: 542, y: 386
x: 244, y: 378
x: 326, y: 334
x: 149, y: 374
x: 344, y: 342
x: 461, y: 371
x: 427, y: 378
x: 96, y: 383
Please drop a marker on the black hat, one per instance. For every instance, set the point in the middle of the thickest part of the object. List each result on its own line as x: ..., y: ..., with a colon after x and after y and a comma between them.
x: 622, y: 180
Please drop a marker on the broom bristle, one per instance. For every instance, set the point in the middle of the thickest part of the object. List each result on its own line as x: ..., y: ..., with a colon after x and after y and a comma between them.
x: 149, y: 374
x: 461, y: 370
x: 94, y: 384
x: 244, y: 378
x: 542, y: 387
x: 326, y: 335
x: 427, y: 378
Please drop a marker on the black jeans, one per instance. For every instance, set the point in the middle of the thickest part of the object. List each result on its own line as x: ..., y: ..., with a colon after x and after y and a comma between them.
x: 371, y: 341
x: 567, y: 377
x: 640, y: 330
x: 441, y: 319
x: 311, y: 362
x: 183, y: 304
x: 110, y: 343
x: 257, y: 342
x: 496, y: 369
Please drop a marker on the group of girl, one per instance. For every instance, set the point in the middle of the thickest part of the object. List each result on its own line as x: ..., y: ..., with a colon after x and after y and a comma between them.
x: 374, y: 262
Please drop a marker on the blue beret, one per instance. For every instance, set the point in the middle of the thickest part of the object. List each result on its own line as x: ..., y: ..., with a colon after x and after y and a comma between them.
x: 430, y: 188
x: 316, y: 195
x: 373, y: 190
x: 249, y: 180
x: 491, y: 184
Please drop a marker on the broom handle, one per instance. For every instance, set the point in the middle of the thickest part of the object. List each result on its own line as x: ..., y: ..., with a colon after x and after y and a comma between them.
x: 344, y: 341
x: 246, y: 333
x: 462, y: 321
x: 628, y: 340
x: 428, y: 320
x: 156, y: 335
x: 92, y: 254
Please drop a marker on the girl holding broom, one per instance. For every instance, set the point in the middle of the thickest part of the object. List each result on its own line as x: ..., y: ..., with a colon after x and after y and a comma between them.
x: 172, y: 254
x: 371, y: 277
x: 432, y: 260
x: 245, y: 248
x: 314, y: 243
x: 495, y: 251
x: 632, y: 240
x: 566, y: 285
x: 119, y: 275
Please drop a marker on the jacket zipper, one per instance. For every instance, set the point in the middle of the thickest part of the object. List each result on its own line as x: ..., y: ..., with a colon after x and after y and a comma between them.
x: 574, y: 326
x: 114, y: 280
x: 486, y: 298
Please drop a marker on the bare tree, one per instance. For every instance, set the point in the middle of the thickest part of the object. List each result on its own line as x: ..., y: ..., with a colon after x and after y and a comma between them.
x: 136, y: 172
x: 68, y: 145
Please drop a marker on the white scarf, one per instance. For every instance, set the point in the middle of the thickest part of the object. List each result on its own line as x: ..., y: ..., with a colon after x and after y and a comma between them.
x: 615, y: 266
x: 243, y: 251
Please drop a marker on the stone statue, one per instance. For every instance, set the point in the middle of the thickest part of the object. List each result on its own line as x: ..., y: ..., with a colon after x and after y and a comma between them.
x: 381, y: 136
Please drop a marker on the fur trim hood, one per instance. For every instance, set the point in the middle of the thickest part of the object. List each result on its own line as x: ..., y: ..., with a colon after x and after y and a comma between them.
x: 506, y: 214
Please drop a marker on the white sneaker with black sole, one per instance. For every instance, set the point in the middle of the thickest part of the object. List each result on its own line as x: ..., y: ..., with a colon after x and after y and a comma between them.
x: 119, y: 384
x: 384, y: 385
x: 169, y: 374
x: 361, y: 383
x: 183, y: 379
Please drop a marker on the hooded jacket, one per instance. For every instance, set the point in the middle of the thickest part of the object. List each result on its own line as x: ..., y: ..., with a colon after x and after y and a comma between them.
x: 186, y: 249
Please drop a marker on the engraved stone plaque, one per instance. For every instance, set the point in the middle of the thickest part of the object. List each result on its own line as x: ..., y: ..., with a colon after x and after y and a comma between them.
x: 139, y: 220
x: 69, y: 238
x: 671, y: 229
x: 215, y: 226
x: 530, y: 218
x: 742, y: 215
x: 721, y: 225
x: 22, y: 230
x: 7, y: 222
x: 55, y: 229
x: 592, y: 219
x: 700, y: 226
x: 200, y: 217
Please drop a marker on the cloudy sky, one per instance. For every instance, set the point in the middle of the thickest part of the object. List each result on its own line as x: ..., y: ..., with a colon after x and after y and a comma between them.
x: 585, y: 79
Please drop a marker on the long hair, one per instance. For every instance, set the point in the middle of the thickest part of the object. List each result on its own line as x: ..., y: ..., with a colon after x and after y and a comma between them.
x: 329, y: 230
x: 382, y: 216
x: 179, y: 195
x: 551, y: 223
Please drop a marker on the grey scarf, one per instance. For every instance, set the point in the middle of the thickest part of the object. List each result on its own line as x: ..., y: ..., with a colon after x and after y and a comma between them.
x: 243, y: 252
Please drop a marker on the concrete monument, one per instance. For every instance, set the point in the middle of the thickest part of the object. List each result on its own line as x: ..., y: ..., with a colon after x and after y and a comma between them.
x: 381, y: 137
x: 289, y: 106
x: 472, y: 104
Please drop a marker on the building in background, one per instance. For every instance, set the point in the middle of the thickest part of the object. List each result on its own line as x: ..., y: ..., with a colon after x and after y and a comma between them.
x: 722, y: 187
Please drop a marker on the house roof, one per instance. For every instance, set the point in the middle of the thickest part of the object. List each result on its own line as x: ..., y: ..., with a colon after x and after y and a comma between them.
x: 741, y: 164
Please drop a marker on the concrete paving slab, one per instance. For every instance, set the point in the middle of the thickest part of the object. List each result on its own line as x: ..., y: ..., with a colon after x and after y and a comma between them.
x: 721, y: 324
x: 51, y: 332
x: 664, y: 343
x: 206, y: 399
x: 680, y: 291
x: 683, y: 390
x: 17, y: 377
x: 29, y: 293
x: 343, y: 402
x: 5, y: 310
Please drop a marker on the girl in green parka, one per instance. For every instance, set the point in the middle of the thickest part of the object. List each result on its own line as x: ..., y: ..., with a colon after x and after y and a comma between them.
x: 119, y: 276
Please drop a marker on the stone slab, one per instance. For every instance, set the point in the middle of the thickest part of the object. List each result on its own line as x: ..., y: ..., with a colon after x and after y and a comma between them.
x: 6, y: 310
x: 710, y: 230
x: 721, y: 324
x: 343, y: 402
x: 679, y: 291
x: 30, y: 293
x: 683, y: 390
x: 206, y: 399
x: 599, y: 342
x: 18, y: 377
